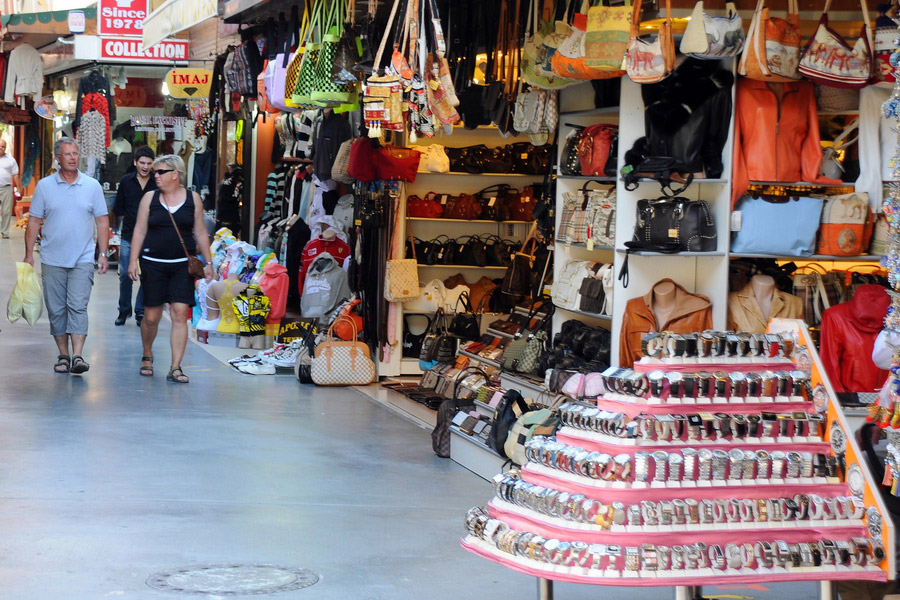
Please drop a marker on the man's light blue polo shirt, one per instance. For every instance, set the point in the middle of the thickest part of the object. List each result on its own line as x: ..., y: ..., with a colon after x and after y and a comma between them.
x: 68, y: 211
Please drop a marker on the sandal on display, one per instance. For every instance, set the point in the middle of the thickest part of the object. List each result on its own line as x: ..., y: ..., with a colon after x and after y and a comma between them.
x: 63, y: 363
x: 176, y: 375
x: 79, y: 365
x: 146, y: 370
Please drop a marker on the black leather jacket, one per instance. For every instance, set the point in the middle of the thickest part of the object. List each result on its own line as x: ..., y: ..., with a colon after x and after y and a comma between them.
x: 687, y: 117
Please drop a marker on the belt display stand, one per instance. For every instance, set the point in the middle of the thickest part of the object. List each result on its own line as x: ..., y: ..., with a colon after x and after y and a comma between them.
x: 721, y: 459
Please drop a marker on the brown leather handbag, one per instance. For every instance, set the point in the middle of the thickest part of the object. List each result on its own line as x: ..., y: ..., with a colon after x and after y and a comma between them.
x: 521, y: 205
x: 464, y: 206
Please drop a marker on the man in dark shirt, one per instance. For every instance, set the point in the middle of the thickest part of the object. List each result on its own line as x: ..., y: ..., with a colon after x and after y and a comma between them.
x: 131, y: 189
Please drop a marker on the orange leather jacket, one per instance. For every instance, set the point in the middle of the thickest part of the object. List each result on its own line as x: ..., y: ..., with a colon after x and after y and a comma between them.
x: 693, y: 312
x: 775, y: 141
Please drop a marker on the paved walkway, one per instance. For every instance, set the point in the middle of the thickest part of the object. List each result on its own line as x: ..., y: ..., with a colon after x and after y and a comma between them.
x: 109, y: 478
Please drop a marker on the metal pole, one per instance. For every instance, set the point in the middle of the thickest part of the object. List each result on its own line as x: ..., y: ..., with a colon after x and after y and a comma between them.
x: 826, y: 590
x: 684, y: 592
x: 545, y: 589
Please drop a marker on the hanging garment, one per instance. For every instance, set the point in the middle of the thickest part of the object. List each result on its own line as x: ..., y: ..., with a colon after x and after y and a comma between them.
x: 877, y: 143
x: 94, y: 83
x: 274, y: 284
x: 848, y: 338
x: 24, y: 73
x: 203, y: 162
x: 744, y: 313
x: 92, y: 136
x: 693, y: 312
x: 96, y: 103
x: 325, y: 287
x: 336, y: 248
x: 775, y: 140
x: 251, y: 307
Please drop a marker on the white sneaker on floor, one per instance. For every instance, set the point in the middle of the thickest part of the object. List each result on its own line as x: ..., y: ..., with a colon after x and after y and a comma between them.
x: 287, y: 358
x: 260, y: 368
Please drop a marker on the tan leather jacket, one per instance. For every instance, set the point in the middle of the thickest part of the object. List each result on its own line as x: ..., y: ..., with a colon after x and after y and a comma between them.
x: 744, y: 313
x: 693, y: 312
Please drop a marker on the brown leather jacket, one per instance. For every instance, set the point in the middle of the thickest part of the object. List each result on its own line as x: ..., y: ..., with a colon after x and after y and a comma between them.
x: 693, y: 312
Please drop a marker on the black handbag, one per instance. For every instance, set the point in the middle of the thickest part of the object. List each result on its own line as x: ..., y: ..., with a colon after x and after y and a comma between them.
x: 440, y: 435
x: 497, y: 160
x: 494, y: 202
x: 674, y: 225
x: 528, y: 159
x: 438, y: 345
x: 469, y: 159
x: 568, y: 162
x: 412, y: 342
x: 663, y: 169
x: 465, y: 325
x: 506, y: 417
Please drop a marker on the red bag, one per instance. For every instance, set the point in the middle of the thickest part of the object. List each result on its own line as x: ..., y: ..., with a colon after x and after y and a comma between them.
x: 343, y: 327
x: 464, y: 206
x: 363, y: 160
x: 426, y: 208
x: 593, y: 148
x: 397, y: 164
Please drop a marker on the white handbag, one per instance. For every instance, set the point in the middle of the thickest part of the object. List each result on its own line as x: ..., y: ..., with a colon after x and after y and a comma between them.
x: 434, y: 159
x: 430, y: 298
x: 713, y: 37
x: 336, y: 362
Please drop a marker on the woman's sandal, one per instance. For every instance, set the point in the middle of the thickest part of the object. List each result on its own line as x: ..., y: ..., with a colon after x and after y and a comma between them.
x: 146, y: 371
x: 79, y: 365
x: 63, y: 364
x: 179, y: 378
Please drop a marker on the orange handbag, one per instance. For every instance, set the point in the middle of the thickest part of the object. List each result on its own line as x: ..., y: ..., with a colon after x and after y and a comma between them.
x: 772, y: 49
x: 847, y: 225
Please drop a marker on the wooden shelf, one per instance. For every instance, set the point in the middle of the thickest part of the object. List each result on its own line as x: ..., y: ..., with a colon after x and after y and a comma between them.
x: 814, y: 257
x: 469, y: 221
x: 606, y: 110
x: 421, y: 266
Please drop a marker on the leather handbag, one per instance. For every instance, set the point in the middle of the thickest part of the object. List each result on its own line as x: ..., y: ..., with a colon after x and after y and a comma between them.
x: 780, y: 226
x: 829, y: 60
x: 674, y: 225
x: 469, y: 159
x: 429, y: 300
x: 521, y: 206
x: 650, y: 59
x: 494, y: 202
x: 363, y: 160
x: 426, y: 208
x: 713, y: 38
x: 517, y: 279
x: 464, y: 206
x: 439, y: 345
x: 465, y: 325
x: 401, y: 275
x: 398, y: 164
x: 594, y: 146
x: 342, y: 363
x: 772, y: 49
x: 510, y: 408
x: 568, y: 162
x: 440, y: 435
x: 194, y: 266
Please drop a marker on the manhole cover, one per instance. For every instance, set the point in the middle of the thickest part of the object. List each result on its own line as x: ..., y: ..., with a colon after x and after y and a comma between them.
x: 233, y: 580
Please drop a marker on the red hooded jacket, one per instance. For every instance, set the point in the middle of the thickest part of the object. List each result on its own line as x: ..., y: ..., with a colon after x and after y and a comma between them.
x: 848, y: 337
x: 274, y: 284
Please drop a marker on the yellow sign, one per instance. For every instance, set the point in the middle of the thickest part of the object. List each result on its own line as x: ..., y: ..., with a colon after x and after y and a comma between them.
x: 189, y: 83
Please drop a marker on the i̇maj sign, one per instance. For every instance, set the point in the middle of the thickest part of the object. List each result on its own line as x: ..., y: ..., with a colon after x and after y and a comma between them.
x: 133, y: 50
x: 189, y: 83
x: 121, y: 17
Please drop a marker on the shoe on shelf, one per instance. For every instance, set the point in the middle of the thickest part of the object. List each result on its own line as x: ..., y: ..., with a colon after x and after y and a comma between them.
x: 123, y: 316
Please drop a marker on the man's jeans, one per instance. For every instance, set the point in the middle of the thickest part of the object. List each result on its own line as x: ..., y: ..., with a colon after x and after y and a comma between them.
x: 125, y: 282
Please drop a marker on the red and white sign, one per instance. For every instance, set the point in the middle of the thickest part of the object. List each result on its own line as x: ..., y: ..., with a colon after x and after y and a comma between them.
x: 121, y: 17
x: 132, y: 49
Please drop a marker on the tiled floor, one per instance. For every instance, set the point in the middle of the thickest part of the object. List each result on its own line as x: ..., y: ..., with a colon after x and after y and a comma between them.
x: 108, y: 478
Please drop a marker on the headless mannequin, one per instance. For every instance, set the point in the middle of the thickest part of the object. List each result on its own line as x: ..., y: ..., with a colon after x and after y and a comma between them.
x: 764, y: 291
x: 257, y: 342
x: 663, y: 303
x: 217, y: 289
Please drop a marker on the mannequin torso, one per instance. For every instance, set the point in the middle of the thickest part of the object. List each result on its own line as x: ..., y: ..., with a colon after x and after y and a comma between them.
x: 764, y: 292
x: 663, y: 302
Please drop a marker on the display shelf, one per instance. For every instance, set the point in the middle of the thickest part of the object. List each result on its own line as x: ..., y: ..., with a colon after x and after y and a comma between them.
x: 649, y: 253
x: 584, y: 247
x: 469, y: 221
x: 606, y: 110
x: 513, y: 380
x: 585, y: 314
x: 497, y: 333
x: 474, y: 455
x: 813, y: 257
x: 486, y: 361
x: 803, y: 183
x: 422, y: 266
x: 462, y: 173
x: 837, y: 112
x: 587, y: 178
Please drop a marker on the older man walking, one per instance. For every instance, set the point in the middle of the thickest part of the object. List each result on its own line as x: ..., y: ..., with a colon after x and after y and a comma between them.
x: 68, y: 203
x: 9, y: 182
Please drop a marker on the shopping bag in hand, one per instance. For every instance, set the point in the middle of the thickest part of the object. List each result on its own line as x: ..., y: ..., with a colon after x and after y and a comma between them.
x: 26, y: 299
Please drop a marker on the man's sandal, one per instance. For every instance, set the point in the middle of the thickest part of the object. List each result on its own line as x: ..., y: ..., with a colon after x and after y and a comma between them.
x: 63, y: 363
x: 79, y: 365
x: 176, y: 375
x: 146, y: 370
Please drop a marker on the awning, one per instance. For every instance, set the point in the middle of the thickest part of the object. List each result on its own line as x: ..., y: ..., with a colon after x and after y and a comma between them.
x: 176, y: 15
x: 42, y: 28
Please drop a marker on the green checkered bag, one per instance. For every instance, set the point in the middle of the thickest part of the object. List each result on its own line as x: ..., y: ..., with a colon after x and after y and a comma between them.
x: 325, y: 91
x: 306, y: 75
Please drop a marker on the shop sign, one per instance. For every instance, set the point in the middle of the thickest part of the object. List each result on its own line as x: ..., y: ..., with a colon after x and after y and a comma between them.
x: 133, y: 50
x: 132, y: 95
x: 189, y: 83
x: 121, y: 17
x: 76, y: 21
x: 295, y: 329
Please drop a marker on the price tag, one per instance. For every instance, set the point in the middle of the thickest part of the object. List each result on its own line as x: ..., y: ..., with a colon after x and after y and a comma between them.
x: 590, y: 238
x: 736, y: 220
x: 443, y: 198
x: 523, y: 156
x: 491, y: 201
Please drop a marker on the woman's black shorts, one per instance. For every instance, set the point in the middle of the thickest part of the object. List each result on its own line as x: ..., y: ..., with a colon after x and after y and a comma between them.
x: 166, y: 282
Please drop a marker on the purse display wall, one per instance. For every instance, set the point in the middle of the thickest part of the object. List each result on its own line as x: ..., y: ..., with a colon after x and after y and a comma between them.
x: 500, y: 202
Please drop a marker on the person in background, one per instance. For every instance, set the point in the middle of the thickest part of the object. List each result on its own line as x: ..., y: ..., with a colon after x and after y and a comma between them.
x: 131, y: 189
x: 68, y: 204
x: 163, y: 260
x: 9, y: 183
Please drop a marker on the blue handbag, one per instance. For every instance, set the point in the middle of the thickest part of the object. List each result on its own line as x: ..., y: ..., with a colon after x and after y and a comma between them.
x: 782, y: 227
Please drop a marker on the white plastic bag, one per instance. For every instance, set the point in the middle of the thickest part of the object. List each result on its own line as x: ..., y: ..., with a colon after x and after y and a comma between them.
x: 27, y: 298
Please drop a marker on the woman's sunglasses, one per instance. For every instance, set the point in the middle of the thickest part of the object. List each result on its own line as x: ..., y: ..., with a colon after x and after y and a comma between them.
x: 163, y: 171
